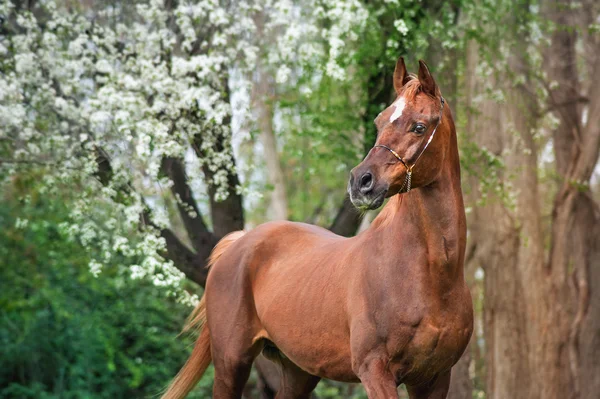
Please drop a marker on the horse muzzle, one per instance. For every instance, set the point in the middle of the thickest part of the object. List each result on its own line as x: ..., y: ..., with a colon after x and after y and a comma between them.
x: 365, y: 192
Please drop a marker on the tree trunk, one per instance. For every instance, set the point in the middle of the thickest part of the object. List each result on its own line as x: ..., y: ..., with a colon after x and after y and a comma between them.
x: 496, y: 236
x: 571, y: 272
x: 461, y: 385
x: 541, y: 290
x: 263, y: 102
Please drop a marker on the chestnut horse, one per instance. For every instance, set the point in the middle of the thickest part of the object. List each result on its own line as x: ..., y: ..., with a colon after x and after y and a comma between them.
x: 387, y: 307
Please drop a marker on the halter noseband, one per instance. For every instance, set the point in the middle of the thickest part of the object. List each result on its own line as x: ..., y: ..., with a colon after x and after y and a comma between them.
x: 408, y: 178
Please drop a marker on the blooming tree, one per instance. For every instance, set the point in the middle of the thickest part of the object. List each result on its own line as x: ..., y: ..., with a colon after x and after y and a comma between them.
x: 120, y: 103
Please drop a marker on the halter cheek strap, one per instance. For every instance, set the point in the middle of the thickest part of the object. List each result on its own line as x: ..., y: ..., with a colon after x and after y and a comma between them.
x: 408, y: 178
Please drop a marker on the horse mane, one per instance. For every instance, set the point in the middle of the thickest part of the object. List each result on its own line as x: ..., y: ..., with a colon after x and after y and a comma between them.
x: 413, y: 86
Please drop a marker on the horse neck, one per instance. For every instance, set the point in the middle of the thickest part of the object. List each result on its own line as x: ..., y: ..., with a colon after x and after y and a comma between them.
x: 432, y: 217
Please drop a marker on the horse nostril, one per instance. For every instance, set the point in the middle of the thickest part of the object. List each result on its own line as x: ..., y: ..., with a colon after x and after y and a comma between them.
x: 366, y: 183
x: 366, y: 180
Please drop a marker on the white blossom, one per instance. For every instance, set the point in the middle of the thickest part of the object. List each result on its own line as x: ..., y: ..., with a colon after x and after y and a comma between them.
x: 400, y: 25
x: 140, y: 93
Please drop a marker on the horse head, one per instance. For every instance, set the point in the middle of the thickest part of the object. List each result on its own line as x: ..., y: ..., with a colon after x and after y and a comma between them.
x: 405, y: 154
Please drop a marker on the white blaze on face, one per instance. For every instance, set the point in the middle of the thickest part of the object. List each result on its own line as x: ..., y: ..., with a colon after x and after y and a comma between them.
x: 399, y: 104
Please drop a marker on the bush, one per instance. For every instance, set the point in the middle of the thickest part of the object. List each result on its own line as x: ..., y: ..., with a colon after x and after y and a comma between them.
x: 67, y: 334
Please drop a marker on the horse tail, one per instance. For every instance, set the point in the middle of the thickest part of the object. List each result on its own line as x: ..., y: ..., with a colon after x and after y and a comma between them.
x: 222, y: 246
x: 192, y: 370
x: 198, y: 362
x: 196, y: 319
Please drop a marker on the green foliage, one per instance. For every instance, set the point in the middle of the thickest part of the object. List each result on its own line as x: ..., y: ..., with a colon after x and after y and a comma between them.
x: 327, y: 129
x: 332, y: 390
x: 320, y: 148
x: 489, y: 170
x: 67, y: 334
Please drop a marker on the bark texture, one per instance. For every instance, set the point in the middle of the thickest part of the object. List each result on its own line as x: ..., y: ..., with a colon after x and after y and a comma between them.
x: 572, y: 293
x: 541, y: 264
x: 263, y: 99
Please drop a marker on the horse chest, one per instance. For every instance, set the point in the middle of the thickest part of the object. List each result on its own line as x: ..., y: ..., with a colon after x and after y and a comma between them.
x: 433, y: 346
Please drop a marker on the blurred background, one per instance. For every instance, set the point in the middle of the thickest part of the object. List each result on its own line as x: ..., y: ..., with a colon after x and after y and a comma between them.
x: 135, y: 134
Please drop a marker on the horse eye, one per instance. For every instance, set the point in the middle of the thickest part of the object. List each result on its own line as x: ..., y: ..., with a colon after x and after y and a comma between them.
x: 420, y: 128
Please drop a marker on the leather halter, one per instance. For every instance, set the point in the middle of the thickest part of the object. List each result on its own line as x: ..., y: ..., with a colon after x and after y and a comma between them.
x: 408, y: 178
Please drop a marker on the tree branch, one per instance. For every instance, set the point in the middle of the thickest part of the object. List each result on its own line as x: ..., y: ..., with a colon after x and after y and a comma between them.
x: 195, y: 226
x: 193, y: 265
x: 227, y: 215
x: 347, y: 219
x: 591, y: 138
x: 190, y: 263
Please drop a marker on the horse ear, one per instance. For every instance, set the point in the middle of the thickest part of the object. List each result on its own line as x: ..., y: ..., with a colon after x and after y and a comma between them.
x: 400, y: 75
x: 427, y: 82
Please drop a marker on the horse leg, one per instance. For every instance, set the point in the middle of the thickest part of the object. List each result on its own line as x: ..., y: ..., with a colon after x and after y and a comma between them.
x: 436, y: 389
x: 233, y: 325
x: 377, y: 379
x: 370, y: 360
x: 232, y: 369
x: 233, y: 346
x: 295, y: 382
